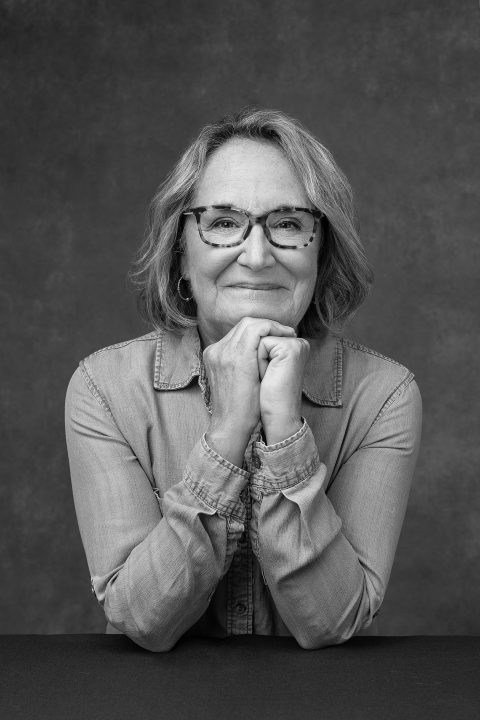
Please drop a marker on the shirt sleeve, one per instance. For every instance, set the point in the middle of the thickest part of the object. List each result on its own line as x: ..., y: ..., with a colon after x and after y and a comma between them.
x: 326, y: 556
x: 154, y: 565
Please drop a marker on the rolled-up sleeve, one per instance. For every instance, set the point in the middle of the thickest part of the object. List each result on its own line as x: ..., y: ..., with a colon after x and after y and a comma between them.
x: 326, y: 555
x: 154, y: 564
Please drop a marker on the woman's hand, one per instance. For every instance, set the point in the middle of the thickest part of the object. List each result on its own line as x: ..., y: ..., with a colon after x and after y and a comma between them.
x: 282, y: 363
x: 234, y: 372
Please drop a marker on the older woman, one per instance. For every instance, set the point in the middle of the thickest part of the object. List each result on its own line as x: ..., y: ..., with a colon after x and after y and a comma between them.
x: 230, y: 475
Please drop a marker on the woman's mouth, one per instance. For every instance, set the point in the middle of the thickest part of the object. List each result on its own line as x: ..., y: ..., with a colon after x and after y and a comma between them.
x: 256, y: 286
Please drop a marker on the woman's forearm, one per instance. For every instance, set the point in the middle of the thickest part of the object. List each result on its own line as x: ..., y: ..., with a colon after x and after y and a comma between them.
x: 313, y: 574
x: 327, y: 555
x: 154, y: 563
x: 168, y: 579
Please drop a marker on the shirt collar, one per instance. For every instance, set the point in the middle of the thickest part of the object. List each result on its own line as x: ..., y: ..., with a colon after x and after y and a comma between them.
x: 178, y: 360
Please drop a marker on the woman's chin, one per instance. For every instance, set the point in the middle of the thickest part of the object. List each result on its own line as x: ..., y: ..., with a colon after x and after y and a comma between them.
x: 216, y: 325
x: 266, y: 312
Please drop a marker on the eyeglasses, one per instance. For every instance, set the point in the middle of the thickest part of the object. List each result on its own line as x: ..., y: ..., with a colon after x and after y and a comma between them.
x: 289, y: 228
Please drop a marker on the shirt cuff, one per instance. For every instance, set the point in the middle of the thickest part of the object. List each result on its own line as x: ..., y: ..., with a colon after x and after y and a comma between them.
x: 216, y: 481
x: 286, y: 463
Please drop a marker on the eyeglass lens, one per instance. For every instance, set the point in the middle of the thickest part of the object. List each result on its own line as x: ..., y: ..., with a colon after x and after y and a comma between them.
x: 287, y: 227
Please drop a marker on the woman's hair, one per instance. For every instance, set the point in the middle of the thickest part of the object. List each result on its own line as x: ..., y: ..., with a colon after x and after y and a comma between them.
x: 344, y: 274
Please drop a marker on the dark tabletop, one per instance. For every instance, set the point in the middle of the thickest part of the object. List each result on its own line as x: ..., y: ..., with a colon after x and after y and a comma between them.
x: 107, y: 676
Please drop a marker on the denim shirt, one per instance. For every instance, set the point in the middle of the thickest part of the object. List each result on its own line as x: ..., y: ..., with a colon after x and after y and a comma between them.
x: 299, y: 541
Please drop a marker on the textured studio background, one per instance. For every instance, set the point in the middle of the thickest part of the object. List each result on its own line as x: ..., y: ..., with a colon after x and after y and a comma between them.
x: 99, y: 98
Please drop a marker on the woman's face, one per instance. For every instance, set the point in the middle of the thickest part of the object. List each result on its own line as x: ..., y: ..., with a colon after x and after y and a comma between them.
x: 255, y: 278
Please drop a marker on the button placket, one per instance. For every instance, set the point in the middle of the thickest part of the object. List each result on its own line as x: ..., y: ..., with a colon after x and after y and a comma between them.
x: 240, y: 574
x: 240, y: 581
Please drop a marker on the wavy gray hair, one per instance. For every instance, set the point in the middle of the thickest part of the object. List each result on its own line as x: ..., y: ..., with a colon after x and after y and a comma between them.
x: 344, y: 274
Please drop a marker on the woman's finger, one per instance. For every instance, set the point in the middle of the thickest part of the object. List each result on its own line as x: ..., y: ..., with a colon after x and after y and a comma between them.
x: 263, y: 358
x: 250, y: 331
x: 284, y: 345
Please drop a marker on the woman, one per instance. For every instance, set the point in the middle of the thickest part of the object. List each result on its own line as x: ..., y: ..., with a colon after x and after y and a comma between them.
x: 229, y: 475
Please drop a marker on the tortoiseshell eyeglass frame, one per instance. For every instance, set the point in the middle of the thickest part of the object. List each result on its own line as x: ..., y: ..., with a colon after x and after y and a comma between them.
x: 255, y: 220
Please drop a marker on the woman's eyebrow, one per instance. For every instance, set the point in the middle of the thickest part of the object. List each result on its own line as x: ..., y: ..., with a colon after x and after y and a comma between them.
x: 278, y: 206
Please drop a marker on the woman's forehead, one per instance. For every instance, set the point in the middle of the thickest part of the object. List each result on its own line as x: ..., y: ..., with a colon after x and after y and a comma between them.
x: 249, y: 173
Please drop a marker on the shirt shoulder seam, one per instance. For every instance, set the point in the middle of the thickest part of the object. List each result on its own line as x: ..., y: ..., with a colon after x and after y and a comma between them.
x: 117, y: 346
x: 93, y: 387
x: 362, y: 348
x: 394, y: 395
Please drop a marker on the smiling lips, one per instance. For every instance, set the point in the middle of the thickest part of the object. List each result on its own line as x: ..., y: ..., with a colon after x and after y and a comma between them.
x: 256, y: 286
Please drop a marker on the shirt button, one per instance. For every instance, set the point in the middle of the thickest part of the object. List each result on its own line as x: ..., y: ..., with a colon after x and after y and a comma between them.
x: 240, y: 608
x: 256, y: 462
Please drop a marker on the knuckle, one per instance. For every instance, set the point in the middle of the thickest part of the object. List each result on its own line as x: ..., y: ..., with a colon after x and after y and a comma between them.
x: 209, y: 355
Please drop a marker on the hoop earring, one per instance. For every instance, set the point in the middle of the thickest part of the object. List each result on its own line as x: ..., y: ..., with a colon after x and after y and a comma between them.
x: 185, y: 299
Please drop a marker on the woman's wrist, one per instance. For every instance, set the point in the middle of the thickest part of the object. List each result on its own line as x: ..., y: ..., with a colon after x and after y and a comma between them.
x: 228, y: 443
x: 278, y: 429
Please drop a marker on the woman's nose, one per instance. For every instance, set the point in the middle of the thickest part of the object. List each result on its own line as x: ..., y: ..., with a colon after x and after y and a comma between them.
x: 256, y: 251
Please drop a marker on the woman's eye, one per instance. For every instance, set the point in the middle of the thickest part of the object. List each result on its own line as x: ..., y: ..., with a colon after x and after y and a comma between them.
x: 224, y: 224
x: 288, y: 224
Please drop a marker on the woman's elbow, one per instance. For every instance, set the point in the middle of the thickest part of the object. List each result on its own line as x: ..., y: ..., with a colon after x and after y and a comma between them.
x: 147, y: 635
x: 145, y: 629
x: 316, y: 635
x: 153, y: 642
x: 316, y: 641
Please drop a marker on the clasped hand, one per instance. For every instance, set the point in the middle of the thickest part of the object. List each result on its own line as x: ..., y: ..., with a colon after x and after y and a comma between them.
x: 255, y: 373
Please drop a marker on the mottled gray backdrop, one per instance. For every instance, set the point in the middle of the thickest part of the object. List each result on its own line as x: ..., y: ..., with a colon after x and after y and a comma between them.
x: 99, y: 98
